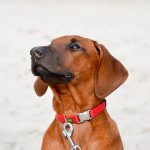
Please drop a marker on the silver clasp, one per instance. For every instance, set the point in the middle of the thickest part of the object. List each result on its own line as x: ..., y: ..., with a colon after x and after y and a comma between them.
x: 84, y: 116
x: 67, y: 132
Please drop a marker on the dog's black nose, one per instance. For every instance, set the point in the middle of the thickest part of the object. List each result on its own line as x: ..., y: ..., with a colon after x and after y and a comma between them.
x: 38, y: 52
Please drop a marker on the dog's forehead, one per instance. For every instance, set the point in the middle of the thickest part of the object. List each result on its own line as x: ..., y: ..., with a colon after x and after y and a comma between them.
x: 85, y: 43
x: 69, y: 39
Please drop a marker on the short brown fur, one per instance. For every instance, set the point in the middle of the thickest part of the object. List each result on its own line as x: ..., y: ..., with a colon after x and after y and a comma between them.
x: 97, y: 74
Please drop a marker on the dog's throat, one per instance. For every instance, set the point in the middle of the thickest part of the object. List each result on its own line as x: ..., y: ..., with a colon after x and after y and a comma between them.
x: 68, y: 98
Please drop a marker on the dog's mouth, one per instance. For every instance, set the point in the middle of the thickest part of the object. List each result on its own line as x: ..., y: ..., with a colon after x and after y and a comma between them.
x: 41, y: 71
x: 54, y: 77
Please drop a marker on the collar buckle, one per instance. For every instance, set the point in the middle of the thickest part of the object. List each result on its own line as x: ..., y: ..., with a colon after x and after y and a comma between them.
x: 84, y: 116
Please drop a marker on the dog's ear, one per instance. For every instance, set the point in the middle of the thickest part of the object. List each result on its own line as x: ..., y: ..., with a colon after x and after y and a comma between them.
x: 40, y: 87
x: 110, y: 73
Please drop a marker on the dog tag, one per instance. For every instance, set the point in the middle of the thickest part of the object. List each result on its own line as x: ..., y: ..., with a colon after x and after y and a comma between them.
x: 67, y: 132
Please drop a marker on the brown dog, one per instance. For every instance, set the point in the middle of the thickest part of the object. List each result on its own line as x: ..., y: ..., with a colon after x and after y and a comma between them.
x: 81, y: 73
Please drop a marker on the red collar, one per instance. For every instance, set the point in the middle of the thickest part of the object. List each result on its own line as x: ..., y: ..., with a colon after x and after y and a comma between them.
x: 84, y: 116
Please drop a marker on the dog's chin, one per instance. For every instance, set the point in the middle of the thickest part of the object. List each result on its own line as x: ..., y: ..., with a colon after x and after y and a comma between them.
x: 52, y: 77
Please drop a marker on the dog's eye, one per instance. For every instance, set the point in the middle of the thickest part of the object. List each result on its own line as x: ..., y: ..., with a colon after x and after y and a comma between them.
x: 74, y: 46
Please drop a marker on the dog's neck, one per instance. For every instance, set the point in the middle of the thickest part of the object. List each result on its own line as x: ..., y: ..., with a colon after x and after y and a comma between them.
x: 70, y: 99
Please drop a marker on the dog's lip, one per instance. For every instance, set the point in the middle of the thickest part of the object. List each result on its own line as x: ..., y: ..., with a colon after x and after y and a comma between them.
x: 40, y: 67
x: 47, y: 74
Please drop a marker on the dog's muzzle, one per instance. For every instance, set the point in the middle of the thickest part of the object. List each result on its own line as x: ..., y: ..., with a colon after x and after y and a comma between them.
x: 43, y: 66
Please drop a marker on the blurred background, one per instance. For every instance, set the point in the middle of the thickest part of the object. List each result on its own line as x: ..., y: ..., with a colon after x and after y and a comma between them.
x: 123, y: 26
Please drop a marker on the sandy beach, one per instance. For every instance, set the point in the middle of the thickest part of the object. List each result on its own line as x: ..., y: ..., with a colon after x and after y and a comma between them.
x: 122, y: 26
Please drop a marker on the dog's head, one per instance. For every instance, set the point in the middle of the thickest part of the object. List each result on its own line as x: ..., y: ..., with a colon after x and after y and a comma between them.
x: 76, y: 59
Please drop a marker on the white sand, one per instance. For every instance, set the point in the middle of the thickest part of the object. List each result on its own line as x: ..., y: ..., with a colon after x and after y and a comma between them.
x: 123, y: 26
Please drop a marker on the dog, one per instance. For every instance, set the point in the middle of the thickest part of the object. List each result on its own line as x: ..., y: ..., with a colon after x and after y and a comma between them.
x: 81, y: 73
